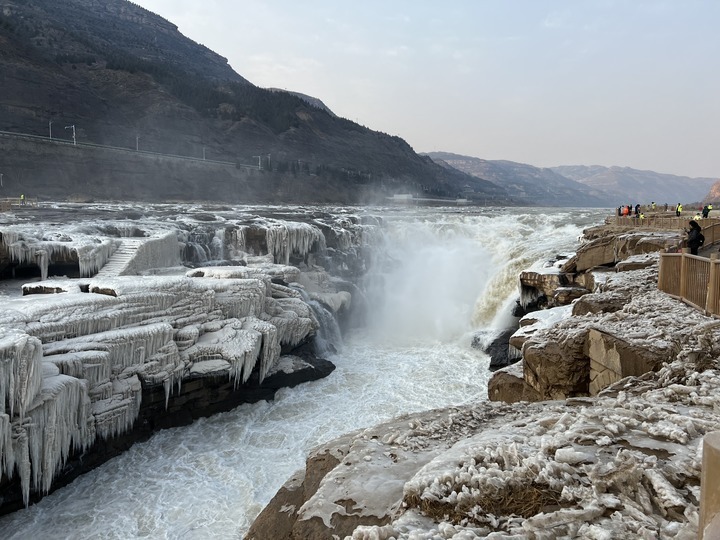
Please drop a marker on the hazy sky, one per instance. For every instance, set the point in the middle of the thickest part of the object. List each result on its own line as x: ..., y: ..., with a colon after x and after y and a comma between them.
x: 627, y: 82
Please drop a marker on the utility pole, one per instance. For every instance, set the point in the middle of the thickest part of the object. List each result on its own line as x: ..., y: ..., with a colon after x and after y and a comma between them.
x: 137, y: 143
x: 73, y: 131
x: 203, y: 153
x: 259, y: 162
x: 50, y: 127
x: 1, y: 175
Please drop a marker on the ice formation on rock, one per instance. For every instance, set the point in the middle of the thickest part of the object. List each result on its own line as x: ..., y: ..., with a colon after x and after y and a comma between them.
x: 283, y: 239
x: 76, y: 354
x: 96, y: 349
x: 91, y: 252
x: 623, y: 465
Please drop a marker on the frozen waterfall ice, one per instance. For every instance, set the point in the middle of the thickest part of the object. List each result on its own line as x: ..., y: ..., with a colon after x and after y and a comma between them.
x: 75, y: 354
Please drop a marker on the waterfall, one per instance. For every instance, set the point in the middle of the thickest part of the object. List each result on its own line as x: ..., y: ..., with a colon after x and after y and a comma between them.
x: 328, y: 339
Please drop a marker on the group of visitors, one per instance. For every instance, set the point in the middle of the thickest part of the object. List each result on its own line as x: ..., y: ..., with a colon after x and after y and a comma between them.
x: 695, y: 237
x: 630, y: 211
x: 636, y: 211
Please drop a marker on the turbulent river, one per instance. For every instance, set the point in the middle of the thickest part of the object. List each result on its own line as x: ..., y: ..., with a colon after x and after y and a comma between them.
x: 453, y: 274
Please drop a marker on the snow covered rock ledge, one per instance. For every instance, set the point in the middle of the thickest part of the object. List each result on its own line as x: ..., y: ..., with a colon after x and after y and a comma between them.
x: 624, y: 464
x: 102, y: 362
x: 593, y: 348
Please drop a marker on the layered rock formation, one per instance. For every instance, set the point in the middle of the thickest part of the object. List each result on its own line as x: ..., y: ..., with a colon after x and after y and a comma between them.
x: 583, y: 349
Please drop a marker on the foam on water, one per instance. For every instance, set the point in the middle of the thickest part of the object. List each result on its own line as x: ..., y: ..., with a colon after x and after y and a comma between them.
x: 455, y: 271
x: 210, y: 479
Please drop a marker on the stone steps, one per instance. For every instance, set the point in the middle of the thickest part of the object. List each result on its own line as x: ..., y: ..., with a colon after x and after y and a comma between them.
x: 121, y: 258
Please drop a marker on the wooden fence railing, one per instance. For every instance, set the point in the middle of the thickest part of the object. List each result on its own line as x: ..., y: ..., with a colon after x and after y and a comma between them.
x: 660, y: 221
x: 692, y: 279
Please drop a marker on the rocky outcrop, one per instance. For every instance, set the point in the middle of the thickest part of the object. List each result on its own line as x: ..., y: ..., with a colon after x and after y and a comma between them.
x: 611, y: 249
x: 572, y: 357
x: 555, y: 365
x: 618, y: 465
x: 631, y: 377
x: 628, y: 329
x: 613, y: 358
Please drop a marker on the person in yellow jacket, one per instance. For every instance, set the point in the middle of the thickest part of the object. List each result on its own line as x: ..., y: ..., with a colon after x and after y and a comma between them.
x: 678, y: 210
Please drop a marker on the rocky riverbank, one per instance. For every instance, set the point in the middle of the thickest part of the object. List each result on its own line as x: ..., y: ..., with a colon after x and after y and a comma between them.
x: 627, y: 381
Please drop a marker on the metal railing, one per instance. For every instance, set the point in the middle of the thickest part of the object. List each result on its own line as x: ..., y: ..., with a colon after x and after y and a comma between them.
x: 692, y: 279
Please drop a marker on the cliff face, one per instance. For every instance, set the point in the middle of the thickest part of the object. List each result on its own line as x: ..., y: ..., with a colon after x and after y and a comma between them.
x: 714, y: 193
x: 114, y: 74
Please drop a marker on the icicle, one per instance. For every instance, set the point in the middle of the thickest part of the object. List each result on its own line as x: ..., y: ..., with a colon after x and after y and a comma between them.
x: 41, y: 257
x: 21, y: 456
x: 20, y: 372
x: 7, y: 460
x: 286, y: 238
x: 270, y: 352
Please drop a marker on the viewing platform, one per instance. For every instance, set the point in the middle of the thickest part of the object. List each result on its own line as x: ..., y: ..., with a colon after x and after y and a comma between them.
x: 7, y: 204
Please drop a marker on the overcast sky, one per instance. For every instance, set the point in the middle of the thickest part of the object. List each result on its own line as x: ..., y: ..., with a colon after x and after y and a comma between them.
x: 593, y: 82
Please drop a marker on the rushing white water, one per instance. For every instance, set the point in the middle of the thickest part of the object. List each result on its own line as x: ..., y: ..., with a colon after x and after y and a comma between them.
x: 454, y: 273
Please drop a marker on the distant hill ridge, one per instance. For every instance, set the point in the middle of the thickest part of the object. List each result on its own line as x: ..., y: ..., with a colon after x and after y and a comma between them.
x: 531, y: 185
x: 579, y: 185
x: 632, y: 185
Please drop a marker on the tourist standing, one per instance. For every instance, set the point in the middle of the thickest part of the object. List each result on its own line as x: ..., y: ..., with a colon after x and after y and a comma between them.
x: 695, y: 237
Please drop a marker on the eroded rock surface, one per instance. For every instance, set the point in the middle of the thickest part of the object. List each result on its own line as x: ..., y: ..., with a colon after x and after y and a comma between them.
x: 624, y: 464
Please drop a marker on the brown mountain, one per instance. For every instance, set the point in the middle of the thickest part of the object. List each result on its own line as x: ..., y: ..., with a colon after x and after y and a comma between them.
x: 713, y: 196
x: 84, y: 75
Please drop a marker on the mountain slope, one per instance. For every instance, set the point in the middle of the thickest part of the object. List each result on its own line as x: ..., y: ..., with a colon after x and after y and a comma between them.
x: 127, y: 78
x: 527, y: 184
x: 631, y: 186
